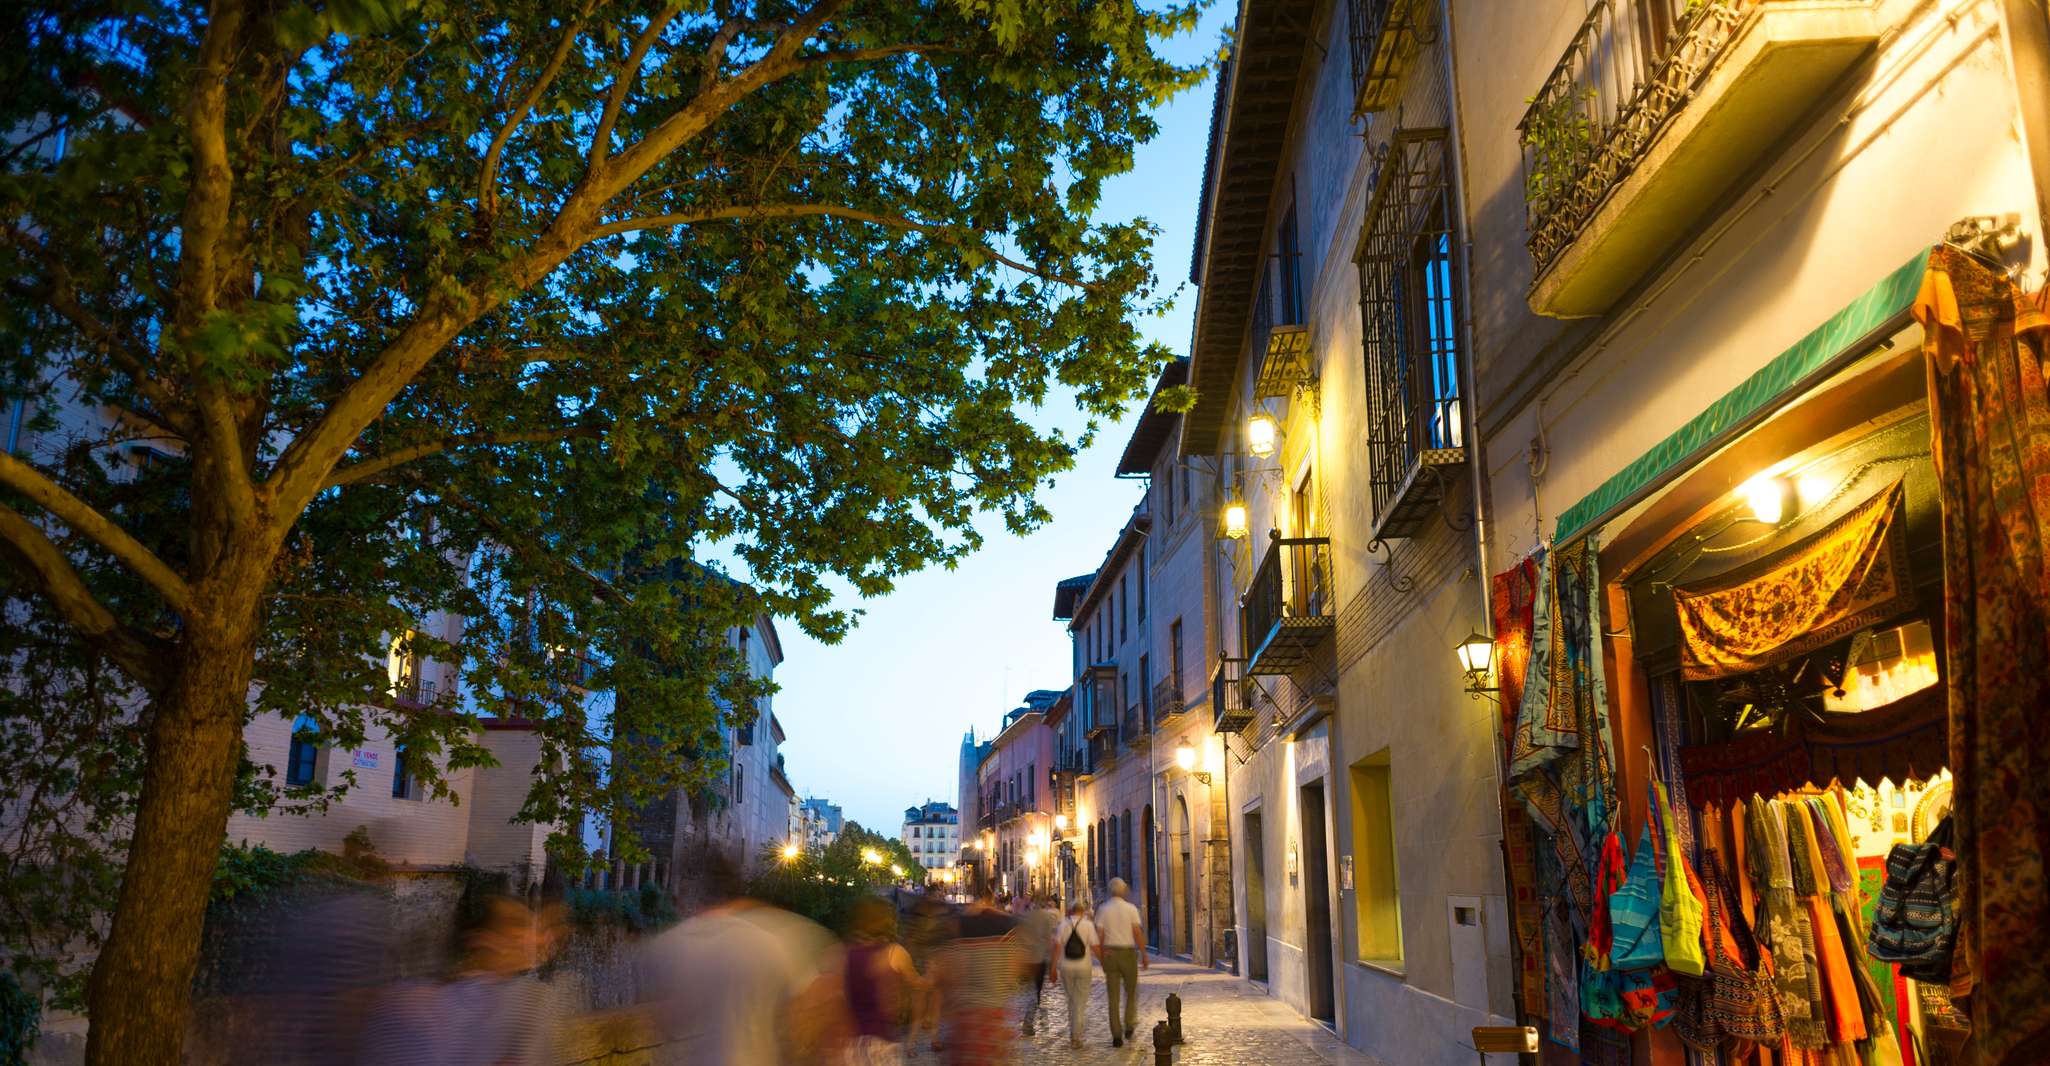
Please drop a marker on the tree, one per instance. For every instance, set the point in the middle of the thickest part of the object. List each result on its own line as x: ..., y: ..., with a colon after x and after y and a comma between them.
x: 823, y: 883
x: 525, y: 313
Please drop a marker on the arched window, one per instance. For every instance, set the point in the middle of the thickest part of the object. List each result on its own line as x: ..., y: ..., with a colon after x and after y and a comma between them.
x: 305, y: 753
x: 1125, y: 849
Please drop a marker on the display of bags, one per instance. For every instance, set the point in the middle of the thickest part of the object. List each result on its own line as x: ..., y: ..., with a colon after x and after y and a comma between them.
x: 1916, y: 921
x: 1680, y: 907
x: 1742, y: 1002
x: 1634, y: 912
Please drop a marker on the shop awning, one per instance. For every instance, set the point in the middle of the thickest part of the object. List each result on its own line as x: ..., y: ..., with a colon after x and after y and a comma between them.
x: 1749, y: 403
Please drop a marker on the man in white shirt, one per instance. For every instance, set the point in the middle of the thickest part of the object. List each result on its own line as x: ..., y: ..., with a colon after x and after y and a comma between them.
x: 1123, y: 955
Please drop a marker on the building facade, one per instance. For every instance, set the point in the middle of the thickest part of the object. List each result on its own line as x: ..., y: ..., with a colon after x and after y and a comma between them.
x: 932, y: 833
x: 1015, y: 813
x: 821, y: 822
x: 1601, y: 304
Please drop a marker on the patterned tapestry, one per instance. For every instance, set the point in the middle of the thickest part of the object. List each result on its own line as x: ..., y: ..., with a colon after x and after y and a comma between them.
x: 1563, y: 716
x: 1514, y: 598
x: 1986, y: 345
x: 1846, y: 577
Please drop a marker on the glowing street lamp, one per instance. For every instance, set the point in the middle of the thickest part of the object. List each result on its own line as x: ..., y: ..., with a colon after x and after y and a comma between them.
x: 1185, y: 756
x: 791, y: 851
x: 1060, y: 821
x: 1476, y: 656
x: 871, y: 856
x: 1235, y: 519
x: 1261, y: 433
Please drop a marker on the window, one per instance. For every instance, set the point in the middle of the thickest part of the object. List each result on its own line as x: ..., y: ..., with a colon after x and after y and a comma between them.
x: 13, y: 414
x: 1288, y: 275
x: 1375, y: 892
x: 739, y: 783
x: 1124, y: 614
x: 403, y: 784
x: 1146, y: 686
x: 1188, y: 496
x: 1174, y: 653
x: 303, y: 759
x: 1142, y: 582
x: 1031, y: 783
x: 1409, y: 313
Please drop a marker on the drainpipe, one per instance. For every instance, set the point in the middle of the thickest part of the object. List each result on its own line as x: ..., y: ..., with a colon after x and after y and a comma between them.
x: 1475, y: 461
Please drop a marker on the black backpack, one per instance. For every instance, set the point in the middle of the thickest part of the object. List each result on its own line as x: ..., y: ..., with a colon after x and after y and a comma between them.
x: 1074, y: 948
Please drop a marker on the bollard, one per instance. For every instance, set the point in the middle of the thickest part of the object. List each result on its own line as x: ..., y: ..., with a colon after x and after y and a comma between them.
x: 1174, y: 1018
x: 1163, y: 1047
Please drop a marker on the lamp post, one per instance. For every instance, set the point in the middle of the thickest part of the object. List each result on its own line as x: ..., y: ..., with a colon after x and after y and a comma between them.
x: 1185, y: 757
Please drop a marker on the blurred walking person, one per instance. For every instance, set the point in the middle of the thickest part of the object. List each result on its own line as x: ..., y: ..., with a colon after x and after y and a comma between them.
x: 931, y: 928
x: 1124, y: 955
x: 882, y: 986
x: 1035, y: 935
x: 979, y: 974
x: 1074, y: 948
x: 744, y: 984
x: 492, y: 1012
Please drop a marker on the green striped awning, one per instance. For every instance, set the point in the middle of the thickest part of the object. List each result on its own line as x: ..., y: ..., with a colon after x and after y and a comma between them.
x: 1735, y: 410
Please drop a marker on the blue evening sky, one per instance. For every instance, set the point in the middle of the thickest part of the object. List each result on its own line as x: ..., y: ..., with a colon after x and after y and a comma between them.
x: 875, y: 722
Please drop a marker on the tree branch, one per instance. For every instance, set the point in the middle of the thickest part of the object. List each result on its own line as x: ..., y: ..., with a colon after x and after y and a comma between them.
x: 775, y: 211
x: 44, y: 564
x: 487, y: 179
x: 623, y: 82
x: 376, y: 465
x: 62, y: 296
x: 80, y: 516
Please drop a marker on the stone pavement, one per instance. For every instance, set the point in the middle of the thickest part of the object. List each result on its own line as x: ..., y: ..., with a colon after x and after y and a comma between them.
x: 1224, y: 1021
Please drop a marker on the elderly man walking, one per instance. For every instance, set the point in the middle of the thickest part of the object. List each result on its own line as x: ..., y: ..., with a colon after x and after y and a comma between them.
x: 1123, y: 955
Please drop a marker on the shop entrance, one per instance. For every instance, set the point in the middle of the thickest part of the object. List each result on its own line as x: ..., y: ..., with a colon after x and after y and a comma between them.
x: 1256, y: 899
x: 1317, y: 907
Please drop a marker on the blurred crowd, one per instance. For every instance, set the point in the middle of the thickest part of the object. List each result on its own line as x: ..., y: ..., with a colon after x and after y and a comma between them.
x: 739, y: 983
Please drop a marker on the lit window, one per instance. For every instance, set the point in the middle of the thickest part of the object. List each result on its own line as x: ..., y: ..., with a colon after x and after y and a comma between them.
x: 1375, y: 892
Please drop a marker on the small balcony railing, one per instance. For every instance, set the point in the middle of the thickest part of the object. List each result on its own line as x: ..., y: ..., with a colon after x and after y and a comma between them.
x: 1632, y: 67
x: 1383, y: 35
x: 1229, y: 708
x: 1103, y: 750
x: 413, y: 690
x: 1286, y: 611
x: 1167, y: 701
x: 1137, y: 732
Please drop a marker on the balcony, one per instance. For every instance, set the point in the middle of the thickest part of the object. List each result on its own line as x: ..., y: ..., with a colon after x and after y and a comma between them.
x: 412, y: 690
x: 1656, y: 109
x: 1167, y: 702
x: 1286, y: 612
x: 1230, y: 709
x: 1384, y: 38
x: 1136, y: 734
x: 1103, y: 750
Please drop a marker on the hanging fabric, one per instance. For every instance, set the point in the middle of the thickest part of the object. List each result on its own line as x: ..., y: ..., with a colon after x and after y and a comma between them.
x: 1563, y: 716
x: 1680, y: 906
x: 1744, y: 1004
x: 1514, y: 602
x: 1847, y: 576
x: 1986, y: 344
x: 1634, y: 911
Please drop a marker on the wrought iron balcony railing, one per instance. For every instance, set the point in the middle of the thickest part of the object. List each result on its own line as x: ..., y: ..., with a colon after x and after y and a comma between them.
x: 1167, y: 701
x: 1287, y: 611
x: 1383, y: 34
x: 1631, y: 68
x: 1230, y: 710
x: 1138, y: 731
x: 1103, y: 751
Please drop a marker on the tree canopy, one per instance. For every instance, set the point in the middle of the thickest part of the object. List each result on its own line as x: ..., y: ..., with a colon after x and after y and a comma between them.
x: 338, y: 317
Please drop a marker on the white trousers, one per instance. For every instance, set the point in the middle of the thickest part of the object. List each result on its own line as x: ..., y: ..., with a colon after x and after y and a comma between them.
x: 1076, y: 978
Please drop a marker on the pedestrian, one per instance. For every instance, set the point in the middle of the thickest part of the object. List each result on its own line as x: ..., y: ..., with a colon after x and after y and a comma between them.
x: 742, y: 983
x: 1035, y: 937
x: 493, y: 1010
x: 931, y: 928
x: 882, y: 986
x: 1124, y: 955
x: 1074, y: 947
x: 979, y: 974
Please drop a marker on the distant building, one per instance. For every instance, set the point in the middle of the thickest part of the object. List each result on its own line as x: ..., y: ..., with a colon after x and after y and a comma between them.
x: 819, y: 821
x: 932, y: 832
x: 1016, y: 806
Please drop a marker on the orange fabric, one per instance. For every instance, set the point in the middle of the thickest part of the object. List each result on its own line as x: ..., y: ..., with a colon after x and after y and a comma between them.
x: 1839, y: 988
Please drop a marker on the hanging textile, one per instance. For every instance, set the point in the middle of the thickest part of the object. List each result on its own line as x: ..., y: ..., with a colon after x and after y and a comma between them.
x: 1852, y: 573
x: 1563, y: 716
x: 1986, y: 344
x: 1782, y: 928
x: 1514, y: 600
x: 1902, y: 741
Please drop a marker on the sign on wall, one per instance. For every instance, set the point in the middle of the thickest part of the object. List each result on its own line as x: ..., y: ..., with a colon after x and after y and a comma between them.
x: 364, y: 760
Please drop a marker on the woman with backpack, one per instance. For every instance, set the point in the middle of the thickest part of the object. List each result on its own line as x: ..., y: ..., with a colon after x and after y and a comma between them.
x: 1074, y: 943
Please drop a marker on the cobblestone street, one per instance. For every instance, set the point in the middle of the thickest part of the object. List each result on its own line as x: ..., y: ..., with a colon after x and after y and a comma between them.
x: 1224, y: 1021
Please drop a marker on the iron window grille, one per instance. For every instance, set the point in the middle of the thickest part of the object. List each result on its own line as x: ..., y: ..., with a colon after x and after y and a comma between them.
x: 1383, y: 35
x: 1410, y: 313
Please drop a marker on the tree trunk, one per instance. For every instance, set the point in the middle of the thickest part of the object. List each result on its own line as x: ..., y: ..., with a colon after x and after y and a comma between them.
x: 141, y: 987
